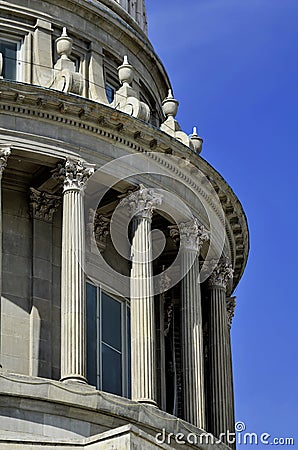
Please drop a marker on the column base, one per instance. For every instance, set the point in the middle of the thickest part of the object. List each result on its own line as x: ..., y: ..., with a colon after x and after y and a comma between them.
x: 146, y: 402
x: 74, y: 379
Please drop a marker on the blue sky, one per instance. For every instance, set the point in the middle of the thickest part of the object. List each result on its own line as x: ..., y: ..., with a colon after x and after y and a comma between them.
x: 233, y: 65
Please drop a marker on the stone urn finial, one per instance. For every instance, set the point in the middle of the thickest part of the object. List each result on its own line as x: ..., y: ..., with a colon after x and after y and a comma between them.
x: 64, y: 45
x: 170, y: 105
x: 125, y: 72
x: 196, y: 140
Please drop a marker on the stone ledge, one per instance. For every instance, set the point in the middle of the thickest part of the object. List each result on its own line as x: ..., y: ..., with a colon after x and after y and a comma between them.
x: 73, y: 413
x: 123, y: 437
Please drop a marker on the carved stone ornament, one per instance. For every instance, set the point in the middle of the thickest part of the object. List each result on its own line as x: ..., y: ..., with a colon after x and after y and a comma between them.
x: 43, y: 205
x: 231, y: 304
x: 197, y: 141
x: 4, y: 154
x: 221, y: 274
x: 172, y: 127
x: 191, y: 235
x: 126, y: 98
x: 74, y: 174
x: 165, y: 282
x: 66, y: 78
x: 142, y: 202
x: 101, y: 227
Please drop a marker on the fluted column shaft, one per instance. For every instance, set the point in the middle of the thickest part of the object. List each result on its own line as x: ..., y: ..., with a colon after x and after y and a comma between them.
x: 217, y: 361
x: 143, y: 369
x: 4, y: 155
x: 192, y: 344
x: 230, y: 305
x: 219, y: 375
x: 73, y: 354
x: 142, y: 315
x: 73, y: 315
x: 192, y: 237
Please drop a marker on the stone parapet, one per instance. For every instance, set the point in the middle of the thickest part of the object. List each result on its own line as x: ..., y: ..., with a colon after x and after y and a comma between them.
x: 79, y: 416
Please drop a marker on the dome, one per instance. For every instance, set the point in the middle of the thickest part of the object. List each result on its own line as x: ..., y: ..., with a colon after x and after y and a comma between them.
x: 137, y: 10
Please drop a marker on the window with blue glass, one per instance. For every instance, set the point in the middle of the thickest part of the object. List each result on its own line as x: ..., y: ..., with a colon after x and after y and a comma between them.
x: 110, y: 92
x: 108, y: 341
x: 9, y: 52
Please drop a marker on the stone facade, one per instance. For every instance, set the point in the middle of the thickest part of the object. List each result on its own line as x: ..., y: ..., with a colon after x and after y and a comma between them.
x: 103, y: 195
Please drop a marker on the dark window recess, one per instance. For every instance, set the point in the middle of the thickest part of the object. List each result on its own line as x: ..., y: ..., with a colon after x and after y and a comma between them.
x: 110, y: 92
x: 9, y: 54
x: 91, y: 313
x: 111, y: 322
x: 111, y: 370
x: 112, y: 84
x: 111, y: 345
x: 128, y: 347
x: 146, y: 97
x: 108, y: 342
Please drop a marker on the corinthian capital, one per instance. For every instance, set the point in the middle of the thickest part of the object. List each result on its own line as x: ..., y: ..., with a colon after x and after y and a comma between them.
x: 191, y: 234
x: 221, y: 274
x: 74, y: 174
x: 4, y: 154
x: 142, y: 202
x: 43, y: 205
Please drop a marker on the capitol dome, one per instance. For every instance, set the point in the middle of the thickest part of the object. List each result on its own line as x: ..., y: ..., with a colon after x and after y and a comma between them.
x: 137, y: 10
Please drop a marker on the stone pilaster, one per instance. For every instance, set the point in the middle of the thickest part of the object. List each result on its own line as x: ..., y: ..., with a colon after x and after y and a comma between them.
x: 4, y: 155
x: 141, y: 204
x: 74, y: 176
x: 42, y: 207
x: 219, y: 377
x: 42, y: 71
x: 192, y: 237
x: 97, y: 90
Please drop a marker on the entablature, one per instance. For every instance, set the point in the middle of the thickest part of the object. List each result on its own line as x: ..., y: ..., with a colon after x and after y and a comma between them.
x: 134, y: 136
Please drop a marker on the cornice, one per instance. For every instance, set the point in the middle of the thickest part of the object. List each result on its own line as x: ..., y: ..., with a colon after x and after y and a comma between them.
x: 119, y: 128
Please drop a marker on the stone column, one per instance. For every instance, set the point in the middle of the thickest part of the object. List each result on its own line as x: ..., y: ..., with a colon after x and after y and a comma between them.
x: 42, y: 206
x: 219, y: 400
x: 143, y: 370
x: 230, y: 304
x: 74, y: 176
x: 4, y: 154
x: 192, y: 237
